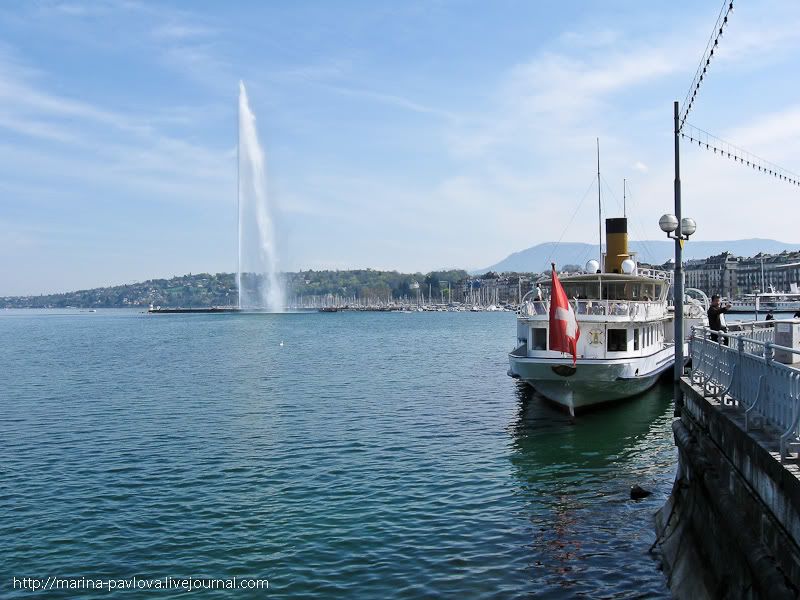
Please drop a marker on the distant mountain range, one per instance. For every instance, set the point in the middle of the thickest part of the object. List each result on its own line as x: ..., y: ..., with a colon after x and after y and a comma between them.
x: 538, y: 258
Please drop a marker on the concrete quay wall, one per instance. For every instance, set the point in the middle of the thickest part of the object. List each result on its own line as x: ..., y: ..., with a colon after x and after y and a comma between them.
x: 731, y: 527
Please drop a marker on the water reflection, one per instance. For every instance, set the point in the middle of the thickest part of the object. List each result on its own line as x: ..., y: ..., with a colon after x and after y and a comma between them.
x: 574, y: 479
x: 545, y: 440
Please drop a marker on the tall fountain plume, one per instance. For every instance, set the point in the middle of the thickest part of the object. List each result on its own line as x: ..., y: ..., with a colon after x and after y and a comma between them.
x: 257, y: 279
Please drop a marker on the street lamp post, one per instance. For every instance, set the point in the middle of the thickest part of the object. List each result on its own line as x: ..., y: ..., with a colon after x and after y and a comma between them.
x: 679, y: 230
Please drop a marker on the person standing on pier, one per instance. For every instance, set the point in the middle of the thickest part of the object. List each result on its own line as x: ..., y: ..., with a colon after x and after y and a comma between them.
x: 715, y: 318
x: 770, y: 316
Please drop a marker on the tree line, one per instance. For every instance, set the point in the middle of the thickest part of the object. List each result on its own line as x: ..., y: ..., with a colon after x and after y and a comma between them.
x: 206, y: 290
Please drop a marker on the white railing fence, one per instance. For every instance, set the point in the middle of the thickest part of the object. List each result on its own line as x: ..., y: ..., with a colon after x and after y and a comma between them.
x: 634, y: 310
x: 741, y: 371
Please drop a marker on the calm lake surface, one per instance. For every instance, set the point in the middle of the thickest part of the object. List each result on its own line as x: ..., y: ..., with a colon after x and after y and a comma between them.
x: 372, y: 455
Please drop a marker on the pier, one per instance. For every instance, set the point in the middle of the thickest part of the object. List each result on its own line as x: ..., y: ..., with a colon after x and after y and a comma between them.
x: 181, y: 311
x: 731, y: 527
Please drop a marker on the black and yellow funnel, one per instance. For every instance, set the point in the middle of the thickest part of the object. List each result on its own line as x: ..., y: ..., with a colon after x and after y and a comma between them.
x: 616, y: 244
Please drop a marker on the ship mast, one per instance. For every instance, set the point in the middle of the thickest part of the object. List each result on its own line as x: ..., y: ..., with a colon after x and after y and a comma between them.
x: 599, y: 222
x: 599, y: 207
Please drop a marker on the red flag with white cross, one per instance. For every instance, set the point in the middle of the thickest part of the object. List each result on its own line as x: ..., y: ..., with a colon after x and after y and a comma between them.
x: 564, y: 329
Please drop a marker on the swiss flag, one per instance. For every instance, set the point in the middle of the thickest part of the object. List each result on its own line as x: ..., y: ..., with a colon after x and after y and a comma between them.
x: 564, y: 330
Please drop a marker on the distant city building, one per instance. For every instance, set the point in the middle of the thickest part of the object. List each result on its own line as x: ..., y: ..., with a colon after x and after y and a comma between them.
x: 714, y: 275
x: 732, y: 276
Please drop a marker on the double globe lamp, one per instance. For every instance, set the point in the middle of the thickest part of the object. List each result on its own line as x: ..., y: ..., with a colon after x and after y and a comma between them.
x: 669, y: 224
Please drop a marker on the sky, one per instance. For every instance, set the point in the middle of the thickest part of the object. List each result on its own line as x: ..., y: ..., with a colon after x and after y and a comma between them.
x: 411, y: 135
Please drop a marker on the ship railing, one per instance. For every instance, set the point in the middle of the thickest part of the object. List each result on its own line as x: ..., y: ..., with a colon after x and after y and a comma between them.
x: 635, y: 310
x: 656, y: 274
x: 743, y: 373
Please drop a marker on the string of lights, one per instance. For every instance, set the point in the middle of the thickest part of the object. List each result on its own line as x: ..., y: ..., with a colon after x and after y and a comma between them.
x: 705, y: 140
x: 705, y: 62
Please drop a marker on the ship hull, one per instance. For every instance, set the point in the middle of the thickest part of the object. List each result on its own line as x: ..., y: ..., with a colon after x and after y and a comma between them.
x: 591, y: 382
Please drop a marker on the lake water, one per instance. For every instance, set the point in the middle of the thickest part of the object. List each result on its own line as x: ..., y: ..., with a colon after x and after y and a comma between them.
x: 370, y: 455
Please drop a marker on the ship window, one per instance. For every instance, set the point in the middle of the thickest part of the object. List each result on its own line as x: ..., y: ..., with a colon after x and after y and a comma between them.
x: 580, y: 290
x: 613, y: 291
x: 617, y: 340
x: 539, y: 338
x: 635, y: 339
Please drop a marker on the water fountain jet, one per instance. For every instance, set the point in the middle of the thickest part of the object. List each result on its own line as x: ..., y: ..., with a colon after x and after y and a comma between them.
x: 257, y: 281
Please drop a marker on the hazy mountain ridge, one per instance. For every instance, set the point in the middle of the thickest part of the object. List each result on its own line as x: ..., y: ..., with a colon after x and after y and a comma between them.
x: 537, y: 258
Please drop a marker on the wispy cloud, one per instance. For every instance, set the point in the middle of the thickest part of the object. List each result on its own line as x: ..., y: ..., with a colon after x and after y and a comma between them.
x: 555, y: 92
x: 394, y: 101
x: 123, y: 143
x: 183, y: 31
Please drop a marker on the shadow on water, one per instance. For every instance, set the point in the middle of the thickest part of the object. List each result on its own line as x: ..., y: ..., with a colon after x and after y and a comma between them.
x: 574, y: 479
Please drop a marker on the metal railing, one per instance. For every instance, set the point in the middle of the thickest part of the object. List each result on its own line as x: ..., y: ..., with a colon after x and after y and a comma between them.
x: 656, y: 274
x: 634, y: 310
x: 741, y: 371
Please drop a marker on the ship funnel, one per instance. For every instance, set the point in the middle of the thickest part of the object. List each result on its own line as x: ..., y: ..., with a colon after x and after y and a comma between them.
x: 616, y: 244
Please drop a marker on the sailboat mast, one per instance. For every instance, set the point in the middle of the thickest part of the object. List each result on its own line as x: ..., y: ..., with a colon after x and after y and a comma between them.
x: 599, y: 207
x: 623, y: 199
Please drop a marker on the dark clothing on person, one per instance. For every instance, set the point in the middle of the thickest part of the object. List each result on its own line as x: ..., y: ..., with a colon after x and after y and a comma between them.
x: 796, y: 315
x: 715, y: 321
x: 769, y: 317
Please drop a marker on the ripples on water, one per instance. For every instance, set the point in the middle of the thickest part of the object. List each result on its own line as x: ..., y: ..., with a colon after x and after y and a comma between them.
x: 372, y: 455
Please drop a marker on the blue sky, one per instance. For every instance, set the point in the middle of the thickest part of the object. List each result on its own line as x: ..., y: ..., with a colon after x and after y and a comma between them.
x: 399, y: 135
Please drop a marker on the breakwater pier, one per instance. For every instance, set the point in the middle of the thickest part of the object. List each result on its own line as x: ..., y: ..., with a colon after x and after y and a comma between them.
x: 731, y: 527
x: 179, y: 310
